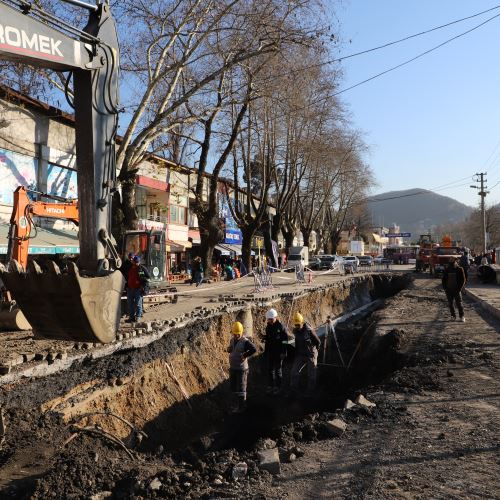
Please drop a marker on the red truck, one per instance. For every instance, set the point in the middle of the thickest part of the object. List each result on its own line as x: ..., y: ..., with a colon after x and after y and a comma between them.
x: 440, y: 256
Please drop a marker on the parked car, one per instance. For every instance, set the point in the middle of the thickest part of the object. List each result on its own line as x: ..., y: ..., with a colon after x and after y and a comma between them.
x: 351, y: 264
x: 328, y: 261
x: 315, y: 263
x: 365, y: 260
x: 378, y: 259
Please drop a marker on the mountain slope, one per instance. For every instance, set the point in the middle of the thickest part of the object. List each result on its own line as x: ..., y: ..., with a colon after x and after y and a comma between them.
x: 415, y: 210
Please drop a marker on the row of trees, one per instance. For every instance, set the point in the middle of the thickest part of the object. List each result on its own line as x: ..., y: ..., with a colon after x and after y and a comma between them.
x: 469, y: 231
x: 240, y: 90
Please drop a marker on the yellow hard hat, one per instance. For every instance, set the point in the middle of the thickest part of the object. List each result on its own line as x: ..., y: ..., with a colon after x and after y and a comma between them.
x: 237, y: 328
x: 298, y: 319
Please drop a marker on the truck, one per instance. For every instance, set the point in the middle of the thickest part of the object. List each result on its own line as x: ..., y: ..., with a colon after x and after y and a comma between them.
x: 440, y: 257
x: 82, y: 303
x: 297, y: 256
x: 423, y: 260
x: 357, y: 248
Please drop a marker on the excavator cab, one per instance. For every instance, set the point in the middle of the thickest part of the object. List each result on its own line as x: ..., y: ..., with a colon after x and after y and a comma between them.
x: 150, y: 247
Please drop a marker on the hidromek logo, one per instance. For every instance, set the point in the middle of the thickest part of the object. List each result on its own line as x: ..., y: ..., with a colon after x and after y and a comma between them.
x: 35, y: 43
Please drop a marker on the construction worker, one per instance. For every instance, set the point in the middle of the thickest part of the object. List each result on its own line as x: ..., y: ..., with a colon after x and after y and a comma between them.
x: 453, y: 282
x: 137, y: 285
x: 306, y: 354
x: 275, y: 341
x: 240, y: 349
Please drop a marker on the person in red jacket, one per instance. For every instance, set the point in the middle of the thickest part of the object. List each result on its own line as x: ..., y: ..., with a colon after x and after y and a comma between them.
x: 137, y: 281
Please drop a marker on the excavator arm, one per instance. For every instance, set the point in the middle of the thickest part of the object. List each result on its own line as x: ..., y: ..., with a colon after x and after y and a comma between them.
x: 84, y: 304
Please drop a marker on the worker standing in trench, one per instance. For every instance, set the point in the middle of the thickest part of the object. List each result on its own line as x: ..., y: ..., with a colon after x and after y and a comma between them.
x: 240, y: 349
x: 275, y: 346
x: 307, y: 344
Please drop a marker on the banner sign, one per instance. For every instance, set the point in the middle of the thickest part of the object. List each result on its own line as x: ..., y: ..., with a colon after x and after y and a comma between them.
x: 398, y: 235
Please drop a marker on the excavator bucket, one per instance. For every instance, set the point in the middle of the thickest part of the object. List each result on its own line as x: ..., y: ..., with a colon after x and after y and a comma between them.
x: 66, y: 306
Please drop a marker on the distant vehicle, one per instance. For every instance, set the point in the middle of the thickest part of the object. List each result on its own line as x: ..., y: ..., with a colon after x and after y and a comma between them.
x: 297, y: 256
x: 378, y: 259
x: 329, y: 261
x: 351, y: 264
x: 401, y: 254
x: 315, y: 263
x: 365, y: 260
x: 441, y: 256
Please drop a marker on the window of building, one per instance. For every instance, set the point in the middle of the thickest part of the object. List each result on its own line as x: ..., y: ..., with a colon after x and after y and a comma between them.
x: 177, y: 214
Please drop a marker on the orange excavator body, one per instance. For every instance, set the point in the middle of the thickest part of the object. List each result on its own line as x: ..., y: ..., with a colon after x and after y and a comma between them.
x: 21, y: 221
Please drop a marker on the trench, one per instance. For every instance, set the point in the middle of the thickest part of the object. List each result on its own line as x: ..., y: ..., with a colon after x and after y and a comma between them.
x: 176, y: 390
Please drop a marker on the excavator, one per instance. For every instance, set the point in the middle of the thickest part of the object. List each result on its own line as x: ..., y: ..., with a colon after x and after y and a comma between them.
x: 83, y: 303
x: 149, y: 245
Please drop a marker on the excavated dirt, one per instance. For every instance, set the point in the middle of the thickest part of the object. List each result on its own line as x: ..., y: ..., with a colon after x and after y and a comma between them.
x: 433, y: 432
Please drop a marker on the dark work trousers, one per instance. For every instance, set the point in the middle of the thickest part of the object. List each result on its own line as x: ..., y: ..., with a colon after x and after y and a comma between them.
x: 455, y: 296
x: 275, y: 369
x: 238, y: 382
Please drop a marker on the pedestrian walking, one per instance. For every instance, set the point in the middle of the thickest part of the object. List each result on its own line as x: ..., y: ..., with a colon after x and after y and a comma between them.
x: 197, y: 276
x: 306, y: 354
x: 275, y: 347
x: 240, y: 349
x: 453, y: 282
x: 137, y: 286
x: 465, y: 264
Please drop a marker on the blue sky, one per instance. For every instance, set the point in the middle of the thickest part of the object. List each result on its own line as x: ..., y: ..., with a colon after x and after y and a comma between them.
x: 436, y: 120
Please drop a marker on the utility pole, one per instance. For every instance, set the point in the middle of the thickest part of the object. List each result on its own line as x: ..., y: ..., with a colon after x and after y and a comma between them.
x: 480, y: 178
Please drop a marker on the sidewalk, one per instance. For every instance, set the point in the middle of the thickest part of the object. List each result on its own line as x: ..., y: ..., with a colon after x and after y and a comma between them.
x: 488, y: 296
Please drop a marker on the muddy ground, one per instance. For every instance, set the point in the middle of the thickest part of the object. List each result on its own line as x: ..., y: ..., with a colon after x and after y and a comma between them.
x: 433, y: 433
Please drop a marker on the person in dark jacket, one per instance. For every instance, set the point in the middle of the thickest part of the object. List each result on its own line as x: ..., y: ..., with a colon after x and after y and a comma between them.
x: 453, y: 282
x: 240, y: 349
x: 307, y: 345
x: 275, y: 342
x: 197, y: 270
x: 465, y: 263
x: 137, y: 284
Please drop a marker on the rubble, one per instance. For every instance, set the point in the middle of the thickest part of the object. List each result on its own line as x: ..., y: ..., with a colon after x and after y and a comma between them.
x: 270, y: 460
x: 362, y: 401
x: 336, y: 427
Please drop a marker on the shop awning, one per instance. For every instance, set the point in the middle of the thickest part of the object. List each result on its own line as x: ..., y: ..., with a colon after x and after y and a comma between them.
x: 46, y: 242
x: 379, y: 239
x: 223, y: 250
x: 178, y: 246
x: 236, y: 249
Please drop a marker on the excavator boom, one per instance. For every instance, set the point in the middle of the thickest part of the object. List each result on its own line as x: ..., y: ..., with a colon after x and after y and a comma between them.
x: 83, y: 303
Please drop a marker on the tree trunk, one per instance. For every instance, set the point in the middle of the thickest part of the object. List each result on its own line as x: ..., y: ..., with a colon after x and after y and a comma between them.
x: 335, y: 240
x: 306, y: 234
x: 246, y: 247
x: 210, y: 234
x: 275, y: 229
x: 268, y: 243
x: 289, y: 237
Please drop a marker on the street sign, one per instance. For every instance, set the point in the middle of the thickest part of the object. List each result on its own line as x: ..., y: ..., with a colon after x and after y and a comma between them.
x: 398, y: 235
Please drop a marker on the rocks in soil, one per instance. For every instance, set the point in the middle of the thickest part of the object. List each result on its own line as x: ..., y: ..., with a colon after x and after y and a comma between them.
x: 362, y: 401
x: 270, y: 461
x: 349, y: 404
x: 336, y: 427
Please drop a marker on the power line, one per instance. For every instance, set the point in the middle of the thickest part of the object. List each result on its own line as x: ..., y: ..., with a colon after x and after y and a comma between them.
x: 389, y: 44
x: 422, y: 54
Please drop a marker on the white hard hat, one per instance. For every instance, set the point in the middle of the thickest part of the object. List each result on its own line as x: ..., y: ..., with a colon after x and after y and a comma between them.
x: 271, y: 314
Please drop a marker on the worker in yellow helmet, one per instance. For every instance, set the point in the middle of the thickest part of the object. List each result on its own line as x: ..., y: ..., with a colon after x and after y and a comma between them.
x: 240, y: 349
x: 307, y: 344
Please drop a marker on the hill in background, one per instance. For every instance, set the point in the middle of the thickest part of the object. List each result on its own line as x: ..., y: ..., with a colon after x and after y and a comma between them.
x: 415, y: 213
